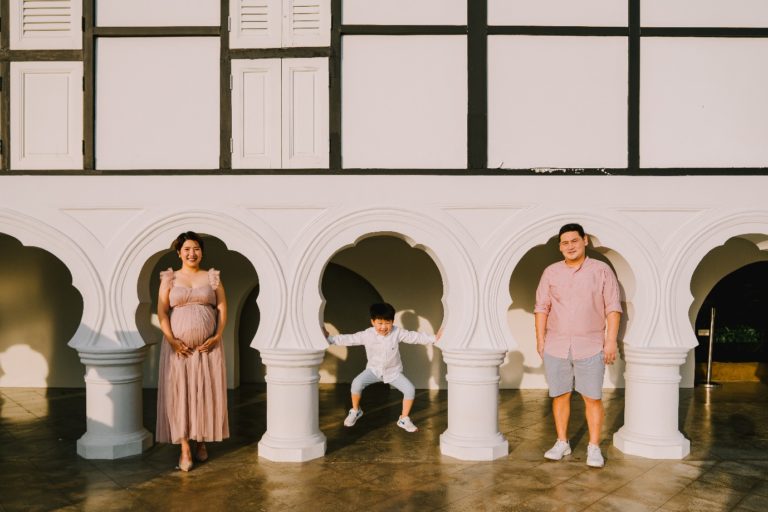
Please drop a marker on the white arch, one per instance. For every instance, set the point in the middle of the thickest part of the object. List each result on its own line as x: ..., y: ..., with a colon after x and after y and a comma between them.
x: 713, y: 234
x: 610, y: 234
x: 32, y: 232
x: 460, y: 298
x: 236, y: 235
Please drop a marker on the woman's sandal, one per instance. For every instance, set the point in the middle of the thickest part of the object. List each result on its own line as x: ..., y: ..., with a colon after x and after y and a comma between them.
x: 185, y: 465
x: 201, y: 453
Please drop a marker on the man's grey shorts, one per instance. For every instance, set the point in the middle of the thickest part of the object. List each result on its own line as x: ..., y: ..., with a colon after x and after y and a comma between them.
x: 588, y: 374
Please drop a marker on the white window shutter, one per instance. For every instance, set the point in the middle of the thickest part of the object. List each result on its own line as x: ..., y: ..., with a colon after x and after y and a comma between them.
x: 305, y: 113
x: 256, y: 114
x: 306, y: 23
x: 46, y: 115
x: 255, y: 23
x: 46, y: 24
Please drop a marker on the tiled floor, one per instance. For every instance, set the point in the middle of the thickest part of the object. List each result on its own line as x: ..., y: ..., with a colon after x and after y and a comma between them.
x: 376, y: 466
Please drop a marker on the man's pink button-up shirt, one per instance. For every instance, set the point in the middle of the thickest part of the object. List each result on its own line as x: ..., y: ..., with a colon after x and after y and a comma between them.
x: 577, y: 302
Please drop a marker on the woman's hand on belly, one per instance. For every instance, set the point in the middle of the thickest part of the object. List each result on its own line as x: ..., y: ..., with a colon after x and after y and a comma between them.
x: 180, y: 348
x: 209, y: 343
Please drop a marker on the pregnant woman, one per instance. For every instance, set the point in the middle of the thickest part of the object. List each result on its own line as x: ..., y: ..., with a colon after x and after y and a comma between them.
x: 192, y: 384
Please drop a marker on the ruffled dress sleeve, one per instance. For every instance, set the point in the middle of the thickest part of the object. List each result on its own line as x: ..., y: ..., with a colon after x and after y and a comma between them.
x: 214, y: 278
x: 166, y: 278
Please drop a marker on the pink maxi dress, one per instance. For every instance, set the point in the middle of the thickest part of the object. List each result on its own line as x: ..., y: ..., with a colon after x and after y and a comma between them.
x: 192, y: 391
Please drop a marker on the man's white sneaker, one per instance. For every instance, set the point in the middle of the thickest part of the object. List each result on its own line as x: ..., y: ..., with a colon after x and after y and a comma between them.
x: 594, y: 457
x: 558, y: 451
x: 406, y: 424
x: 352, y: 417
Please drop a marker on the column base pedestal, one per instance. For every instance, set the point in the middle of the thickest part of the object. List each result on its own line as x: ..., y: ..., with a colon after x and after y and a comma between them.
x: 674, y: 447
x: 112, y: 447
x: 291, y: 450
x: 473, y: 449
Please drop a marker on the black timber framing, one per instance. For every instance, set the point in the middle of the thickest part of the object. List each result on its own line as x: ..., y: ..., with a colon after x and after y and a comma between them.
x: 477, y: 85
x: 334, y: 84
x: 5, y: 87
x: 476, y: 30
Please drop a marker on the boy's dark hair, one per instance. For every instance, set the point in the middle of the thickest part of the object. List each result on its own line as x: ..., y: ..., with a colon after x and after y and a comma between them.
x: 382, y: 311
x: 571, y: 227
x: 187, y: 235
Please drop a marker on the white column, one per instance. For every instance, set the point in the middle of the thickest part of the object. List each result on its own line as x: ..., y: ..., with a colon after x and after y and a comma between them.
x: 651, y: 399
x: 473, y: 406
x: 113, y: 404
x: 293, y: 431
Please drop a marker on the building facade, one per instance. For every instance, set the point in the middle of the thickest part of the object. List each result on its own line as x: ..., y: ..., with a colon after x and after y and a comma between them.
x: 337, y: 152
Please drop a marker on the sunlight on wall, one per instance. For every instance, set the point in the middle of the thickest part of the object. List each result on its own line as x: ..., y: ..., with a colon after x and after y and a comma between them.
x: 23, y: 367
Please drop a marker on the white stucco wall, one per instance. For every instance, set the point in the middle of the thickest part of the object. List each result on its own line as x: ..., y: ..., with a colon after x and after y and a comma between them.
x: 655, y: 230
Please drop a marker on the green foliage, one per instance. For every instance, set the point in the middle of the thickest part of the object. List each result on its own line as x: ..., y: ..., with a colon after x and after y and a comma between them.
x: 738, y: 334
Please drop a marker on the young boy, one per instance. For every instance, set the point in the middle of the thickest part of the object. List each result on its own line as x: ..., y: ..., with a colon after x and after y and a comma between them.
x: 384, y: 365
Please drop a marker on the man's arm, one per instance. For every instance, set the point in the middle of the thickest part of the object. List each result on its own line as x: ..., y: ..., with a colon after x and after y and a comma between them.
x: 541, y: 329
x: 610, y: 347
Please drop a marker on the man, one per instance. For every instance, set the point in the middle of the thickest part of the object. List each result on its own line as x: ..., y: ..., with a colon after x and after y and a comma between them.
x: 577, y: 321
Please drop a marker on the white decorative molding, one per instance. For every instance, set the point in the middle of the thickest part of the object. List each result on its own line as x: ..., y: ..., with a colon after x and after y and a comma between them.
x: 46, y: 115
x: 347, y: 227
x: 714, y: 229
x: 103, y: 223
x: 45, y: 25
x: 610, y: 232
x: 36, y: 233
x: 237, y: 236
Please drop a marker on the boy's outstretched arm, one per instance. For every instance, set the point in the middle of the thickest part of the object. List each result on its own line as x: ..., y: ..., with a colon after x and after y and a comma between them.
x: 347, y: 340
x: 416, y: 338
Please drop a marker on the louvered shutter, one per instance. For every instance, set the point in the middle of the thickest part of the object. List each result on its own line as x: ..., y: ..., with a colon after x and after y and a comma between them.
x: 46, y: 115
x: 256, y: 114
x: 306, y: 23
x: 255, y: 23
x: 45, y: 24
x: 305, y: 113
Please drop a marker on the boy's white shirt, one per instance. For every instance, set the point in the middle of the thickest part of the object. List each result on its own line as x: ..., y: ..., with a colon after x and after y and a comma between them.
x: 383, y: 352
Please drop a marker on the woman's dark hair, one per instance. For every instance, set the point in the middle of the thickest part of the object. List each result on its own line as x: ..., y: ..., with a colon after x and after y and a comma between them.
x: 382, y: 311
x: 187, y: 235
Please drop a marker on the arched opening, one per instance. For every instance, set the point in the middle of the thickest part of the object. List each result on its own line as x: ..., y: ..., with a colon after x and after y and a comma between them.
x: 40, y: 311
x: 241, y: 285
x: 383, y: 267
x: 523, y: 367
x: 731, y: 279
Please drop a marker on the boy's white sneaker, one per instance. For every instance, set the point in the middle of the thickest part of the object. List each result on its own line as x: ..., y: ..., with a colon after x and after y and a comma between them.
x: 594, y: 457
x: 406, y: 424
x: 352, y: 417
x: 558, y: 451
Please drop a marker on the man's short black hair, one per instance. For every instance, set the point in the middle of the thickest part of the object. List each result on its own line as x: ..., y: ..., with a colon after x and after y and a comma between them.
x: 382, y: 311
x: 571, y: 227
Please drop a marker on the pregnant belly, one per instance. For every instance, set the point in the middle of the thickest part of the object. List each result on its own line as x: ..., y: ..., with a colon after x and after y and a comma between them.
x: 193, y: 324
